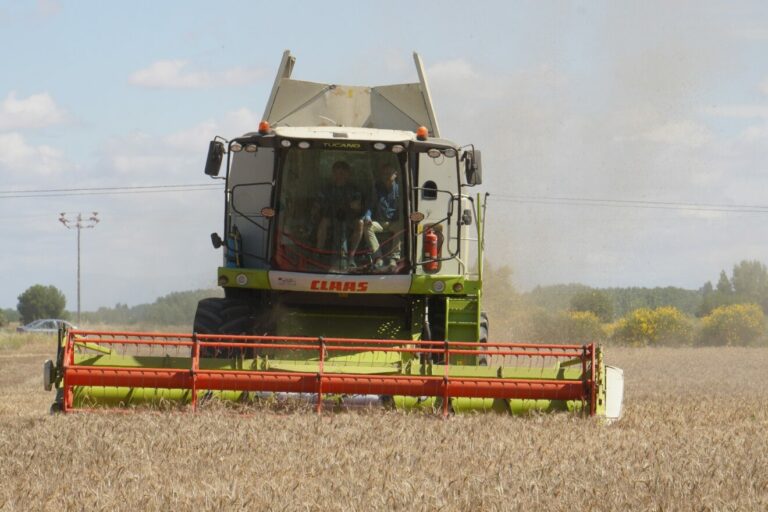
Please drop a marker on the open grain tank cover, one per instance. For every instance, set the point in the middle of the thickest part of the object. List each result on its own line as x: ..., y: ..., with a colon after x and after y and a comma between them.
x: 394, y: 107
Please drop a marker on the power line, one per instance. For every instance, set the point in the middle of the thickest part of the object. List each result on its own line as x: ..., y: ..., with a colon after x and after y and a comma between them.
x: 110, y: 188
x: 628, y: 203
x: 519, y: 199
x: 98, y: 191
x: 635, y: 201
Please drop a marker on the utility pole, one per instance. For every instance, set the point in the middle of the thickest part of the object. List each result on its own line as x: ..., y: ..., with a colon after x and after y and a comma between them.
x: 79, y: 223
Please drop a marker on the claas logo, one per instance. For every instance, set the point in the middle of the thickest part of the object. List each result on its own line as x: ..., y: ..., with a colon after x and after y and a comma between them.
x: 339, y: 286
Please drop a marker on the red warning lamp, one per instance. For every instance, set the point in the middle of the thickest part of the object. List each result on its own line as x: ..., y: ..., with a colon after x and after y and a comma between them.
x: 264, y: 127
x: 422, y: 133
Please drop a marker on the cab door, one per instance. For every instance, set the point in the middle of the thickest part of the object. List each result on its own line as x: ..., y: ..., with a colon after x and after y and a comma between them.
x: 437, y: 197
x: 250, y: 186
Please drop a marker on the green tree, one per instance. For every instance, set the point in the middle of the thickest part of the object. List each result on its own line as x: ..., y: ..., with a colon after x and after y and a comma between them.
x: 177, y: 308
x: 554, y: 297
x: 735, y: 324
x: 40, y: 301
x: 723, y: 284
x: 3, y: 319
x: 623, y: 300
x: 750, y: 283
x: 593, y: 301
x: 722, y: 295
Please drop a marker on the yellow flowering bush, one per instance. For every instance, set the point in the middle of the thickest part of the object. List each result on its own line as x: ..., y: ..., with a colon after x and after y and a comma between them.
x: 737, y: 324
x: 661, y: 326
x: 583, y: 327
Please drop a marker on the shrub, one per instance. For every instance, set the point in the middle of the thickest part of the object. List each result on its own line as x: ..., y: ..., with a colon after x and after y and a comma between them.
x: 594, y: 301
x: 584, y: 327
x: 564, y: 327
x: 652, y: 327
x: 737, y: 324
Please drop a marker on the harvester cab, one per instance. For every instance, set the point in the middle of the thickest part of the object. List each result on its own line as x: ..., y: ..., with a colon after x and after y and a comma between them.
x: 352, y: 272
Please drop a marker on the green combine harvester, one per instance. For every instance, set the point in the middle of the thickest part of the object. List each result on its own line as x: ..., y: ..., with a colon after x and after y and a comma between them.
x: 352, y: 271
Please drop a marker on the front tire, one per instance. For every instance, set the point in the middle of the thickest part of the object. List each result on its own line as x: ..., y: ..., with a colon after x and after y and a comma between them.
x: 223, y: 316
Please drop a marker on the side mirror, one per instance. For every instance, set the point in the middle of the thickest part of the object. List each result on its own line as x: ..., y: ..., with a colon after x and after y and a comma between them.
x: 215, y: 155
x: 473, y: 168
x: 216, y: 240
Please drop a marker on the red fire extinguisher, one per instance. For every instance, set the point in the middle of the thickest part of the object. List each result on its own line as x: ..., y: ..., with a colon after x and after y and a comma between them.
x: 430, y: 250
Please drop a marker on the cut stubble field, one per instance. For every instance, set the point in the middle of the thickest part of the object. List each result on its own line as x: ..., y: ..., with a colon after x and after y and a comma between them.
x: 694, y: 436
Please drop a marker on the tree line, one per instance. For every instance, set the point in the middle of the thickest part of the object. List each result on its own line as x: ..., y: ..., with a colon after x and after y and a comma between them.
x: 177, y: 308
x: 731, y: 313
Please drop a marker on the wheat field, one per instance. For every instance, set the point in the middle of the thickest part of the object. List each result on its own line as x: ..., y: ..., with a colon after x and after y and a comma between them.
x: 693, y: 437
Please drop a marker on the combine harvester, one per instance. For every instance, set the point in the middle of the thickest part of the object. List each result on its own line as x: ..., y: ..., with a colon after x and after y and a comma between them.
x: 352, y: 272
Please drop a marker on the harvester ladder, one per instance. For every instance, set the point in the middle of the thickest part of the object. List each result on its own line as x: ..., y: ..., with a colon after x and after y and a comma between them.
x: 462, y: 319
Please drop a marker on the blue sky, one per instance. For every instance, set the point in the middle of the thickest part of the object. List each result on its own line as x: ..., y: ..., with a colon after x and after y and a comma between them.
x: 648, y: 101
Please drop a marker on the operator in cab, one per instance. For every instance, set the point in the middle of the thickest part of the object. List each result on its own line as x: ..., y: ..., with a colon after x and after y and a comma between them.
x: 346, y: 209
x: 386, y: 220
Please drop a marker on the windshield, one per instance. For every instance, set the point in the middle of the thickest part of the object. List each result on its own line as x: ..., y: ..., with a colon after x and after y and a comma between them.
x: 341, y: 212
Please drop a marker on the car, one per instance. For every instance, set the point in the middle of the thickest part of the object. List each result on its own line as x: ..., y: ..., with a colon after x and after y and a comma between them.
x: 45, y: 325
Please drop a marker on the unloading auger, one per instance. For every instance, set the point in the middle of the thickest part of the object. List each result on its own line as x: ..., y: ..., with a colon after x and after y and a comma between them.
x: 352, y: 274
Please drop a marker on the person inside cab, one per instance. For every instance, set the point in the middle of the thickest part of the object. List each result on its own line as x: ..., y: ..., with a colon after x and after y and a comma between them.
x: 386, y: 221
x: 346, y: 209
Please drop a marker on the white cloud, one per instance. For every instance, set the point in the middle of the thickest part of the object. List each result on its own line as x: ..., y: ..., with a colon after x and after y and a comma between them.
x: 173, y: 155
x: 752, y: 33
x: 764, y: 87
x: 755, y: 133
x: 17, y: 156
x: 232, y: 124
x: 174, y: 74
x: 461, y: 79
x: 239, y: 122
x: 458, y: 69
x: 35, y: 111
x: 737, y: 111
x: 681, y: 133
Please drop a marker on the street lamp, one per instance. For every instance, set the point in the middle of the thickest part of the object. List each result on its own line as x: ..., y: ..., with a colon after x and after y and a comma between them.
x: 79, y: 223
